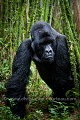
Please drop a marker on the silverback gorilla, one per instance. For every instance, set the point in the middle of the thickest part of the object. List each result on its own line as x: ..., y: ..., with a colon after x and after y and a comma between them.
x: 48, y: 49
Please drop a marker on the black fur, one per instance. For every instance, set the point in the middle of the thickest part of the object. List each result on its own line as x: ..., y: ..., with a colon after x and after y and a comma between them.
x: 55, y: 70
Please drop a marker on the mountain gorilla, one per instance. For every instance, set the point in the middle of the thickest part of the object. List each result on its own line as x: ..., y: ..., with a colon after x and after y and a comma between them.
x: 48, y: 49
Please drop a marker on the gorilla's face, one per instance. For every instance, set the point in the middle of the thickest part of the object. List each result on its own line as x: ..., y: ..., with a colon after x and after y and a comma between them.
x: 46, y: 53
x: 43, y: 45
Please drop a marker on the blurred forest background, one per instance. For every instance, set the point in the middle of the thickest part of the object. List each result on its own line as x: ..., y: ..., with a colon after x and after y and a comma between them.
x: 16, y: 19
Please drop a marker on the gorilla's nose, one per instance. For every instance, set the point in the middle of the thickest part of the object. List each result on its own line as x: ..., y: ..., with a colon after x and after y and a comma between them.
x: 48, y: 50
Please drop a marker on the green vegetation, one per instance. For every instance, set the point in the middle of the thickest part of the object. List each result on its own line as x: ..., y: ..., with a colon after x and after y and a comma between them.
x: 17, y: 17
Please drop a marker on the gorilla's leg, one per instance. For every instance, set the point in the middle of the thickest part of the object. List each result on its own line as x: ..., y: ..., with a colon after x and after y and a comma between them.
x: 16, y: 86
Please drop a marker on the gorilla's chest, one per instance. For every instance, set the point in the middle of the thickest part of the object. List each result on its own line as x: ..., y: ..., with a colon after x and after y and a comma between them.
x: 47, y: 73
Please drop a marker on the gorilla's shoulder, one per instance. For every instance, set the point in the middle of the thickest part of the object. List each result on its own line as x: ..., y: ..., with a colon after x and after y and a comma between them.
x: 26, y: 43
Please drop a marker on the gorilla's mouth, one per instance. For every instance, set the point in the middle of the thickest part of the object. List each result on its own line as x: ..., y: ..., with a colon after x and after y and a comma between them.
x: 49, y: 59
x: 49, y: 56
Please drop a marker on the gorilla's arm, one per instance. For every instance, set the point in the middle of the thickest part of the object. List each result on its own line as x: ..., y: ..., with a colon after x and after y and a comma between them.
x: 63, y: 67
x: 62, y: 56
x: 16, y: 86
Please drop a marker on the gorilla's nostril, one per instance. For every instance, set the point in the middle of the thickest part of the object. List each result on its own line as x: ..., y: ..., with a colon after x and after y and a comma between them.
x: 50, y: 51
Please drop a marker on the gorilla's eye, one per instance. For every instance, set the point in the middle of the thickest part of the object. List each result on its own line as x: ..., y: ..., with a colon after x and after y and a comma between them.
x: 40, y: 31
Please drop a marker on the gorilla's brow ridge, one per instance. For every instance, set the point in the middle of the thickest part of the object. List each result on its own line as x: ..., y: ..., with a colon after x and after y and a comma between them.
x: 39, y: 25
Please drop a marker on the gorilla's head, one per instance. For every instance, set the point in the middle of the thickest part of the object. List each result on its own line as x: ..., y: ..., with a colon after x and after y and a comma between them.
x: 43, y: 42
